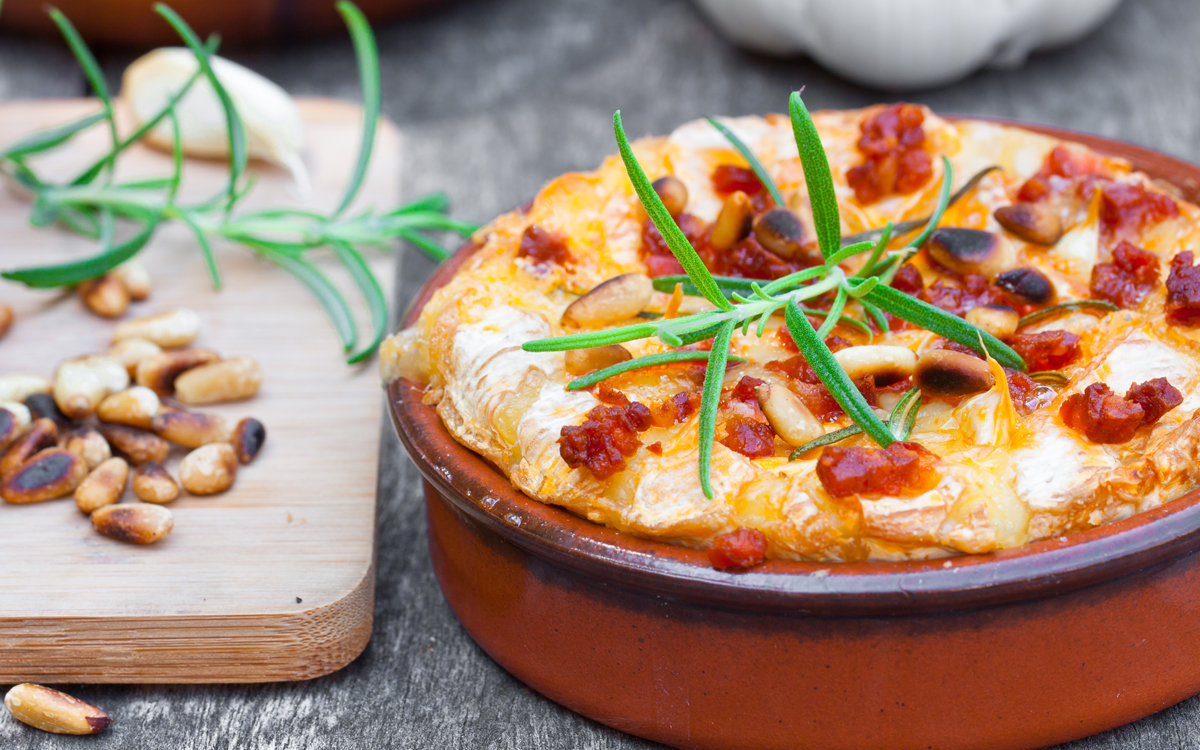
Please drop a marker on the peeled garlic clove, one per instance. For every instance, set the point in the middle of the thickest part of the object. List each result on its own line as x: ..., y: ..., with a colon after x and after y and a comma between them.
x: 274, y: 130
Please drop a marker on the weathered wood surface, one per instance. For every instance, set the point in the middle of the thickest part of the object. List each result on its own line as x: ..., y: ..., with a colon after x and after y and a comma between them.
x: 270, y: 580
x: 494, y: 97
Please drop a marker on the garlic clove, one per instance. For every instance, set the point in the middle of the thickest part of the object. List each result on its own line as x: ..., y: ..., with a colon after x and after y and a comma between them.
x: 274, y: 129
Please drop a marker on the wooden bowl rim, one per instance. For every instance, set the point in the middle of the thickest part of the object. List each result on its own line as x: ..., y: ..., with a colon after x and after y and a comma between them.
x: 480, y: 491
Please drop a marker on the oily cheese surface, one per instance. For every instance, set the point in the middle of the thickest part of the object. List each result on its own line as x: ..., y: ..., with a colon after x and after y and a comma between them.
x: 1004, y: 477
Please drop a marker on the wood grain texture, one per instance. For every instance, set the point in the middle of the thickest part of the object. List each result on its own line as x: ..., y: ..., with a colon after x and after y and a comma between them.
x: 271, y: 580
x: 494, y: 97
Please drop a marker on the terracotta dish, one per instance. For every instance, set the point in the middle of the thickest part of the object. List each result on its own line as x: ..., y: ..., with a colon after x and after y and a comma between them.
x: 1021, y: 648
x: 133, y: 23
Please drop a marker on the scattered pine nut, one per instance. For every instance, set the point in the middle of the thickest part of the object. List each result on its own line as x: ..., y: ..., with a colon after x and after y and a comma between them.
x: 6, y: 319
x: 131, y: 351
x: 52, y: 711
x: 42, y: 406
x: 50, y: 474
x: 232, y: 379
x: 191, y: 429
x: 139, y: 523
x: 106, y: 296
x: 14, y: 420
x: 135, y: 277
x: 248, y: 439
x: 103, y: 486
x: 209, y: 470
x: 42, y: 434
x: 138, y: 446
x: 153, y: 484
x: 86, y: 443
x: 134, y: 407
x: 21, y: 387
x: 174, y: 328
x: 81, y: 384
x: 158, y: 372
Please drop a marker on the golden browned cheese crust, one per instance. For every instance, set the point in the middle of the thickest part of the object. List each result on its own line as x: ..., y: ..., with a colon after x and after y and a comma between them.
x: 1005, y: 478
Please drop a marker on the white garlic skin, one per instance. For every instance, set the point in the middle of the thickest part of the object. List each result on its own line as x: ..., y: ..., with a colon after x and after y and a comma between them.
x: 274, y: 129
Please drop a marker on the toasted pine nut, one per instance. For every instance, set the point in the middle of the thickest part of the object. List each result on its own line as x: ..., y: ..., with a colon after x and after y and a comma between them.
x: 21, y: 387
x: 971, y: 251
x: 789, y: 417
x: 779, y: 231
x: 997, y: 319
x: 81, y: 384
x: 248, y: 439
x: 42, y: 406
x: 231, y: 379
x: 55, y: 712
x: 105, y: 296
x: 42, y: 433
x: 191, y: 429
x: 86, y: 443
x: 886, y: 363
x: 103, y: 486
x: 673, y: 193
x: 14, y: 420
x: 134, y: 406
x: 136, y: 445
x: 131, y: 351
x: 174, y: 328
x: 1032, y: 222
x: 135, y: 277
x: 209, y: 470
x: 618, y: 298
x: 153, y: 484
x: 51, y: 473
x: 732, y: 223
x: 6, y: 319
x: 583, y: 361
x: 944, y: 373
x: 1029, y: 285
x: 159, y: 372
x: 140, y: 523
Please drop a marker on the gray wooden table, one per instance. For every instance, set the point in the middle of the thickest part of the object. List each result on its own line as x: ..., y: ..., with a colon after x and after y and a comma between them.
x: 495, y: 97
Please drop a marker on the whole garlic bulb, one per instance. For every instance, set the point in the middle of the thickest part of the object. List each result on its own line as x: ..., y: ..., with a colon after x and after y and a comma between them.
x: 274, y: 130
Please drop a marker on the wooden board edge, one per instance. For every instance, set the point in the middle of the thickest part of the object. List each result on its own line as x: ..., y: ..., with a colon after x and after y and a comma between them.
x: 240, y: 649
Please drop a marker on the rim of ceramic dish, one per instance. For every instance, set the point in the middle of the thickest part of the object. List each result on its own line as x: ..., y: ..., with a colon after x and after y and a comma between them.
x: 479, y: 490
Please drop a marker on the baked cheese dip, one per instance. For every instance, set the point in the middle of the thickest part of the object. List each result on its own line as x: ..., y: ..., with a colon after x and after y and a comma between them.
x: 1080, y: 265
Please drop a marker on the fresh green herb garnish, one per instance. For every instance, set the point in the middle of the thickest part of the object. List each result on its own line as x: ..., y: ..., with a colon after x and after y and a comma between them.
x: 741, y: 302
x: 1098, y: 306
x: 752, y: 160
x: 284, y: 236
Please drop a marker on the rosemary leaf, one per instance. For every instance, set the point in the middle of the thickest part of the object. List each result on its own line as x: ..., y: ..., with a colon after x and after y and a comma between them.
x: 592, y: 338
x: 437, y: 202
x: 904, y: 414
x: 849, y: 251
x: 43, y: 140
x: 876, y: 314
x: 210, y: 260
x: 821, y: 194
x: 46, y: 277
x: 1050, y: 377
x: 828, y: 438
x: 752, y: 160
x: 368, y: 72
x: 937, y: 320
x: 834, y: 377
x: 1093, y: 305
x: 727, y: 284
x: 360, y: 271
x: 431, y: 248
x: 637, y: 363
x: 326, y: 293
x: 91, y: 68
x: 905, y: 227
x: 714, y: 376
x: 880, y: 246
x: 834, y: 315
x: 670, y: 231
x: 943, y: 202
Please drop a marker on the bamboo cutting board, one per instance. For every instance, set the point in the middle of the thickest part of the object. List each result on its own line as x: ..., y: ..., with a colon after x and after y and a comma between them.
x: 272, y: 580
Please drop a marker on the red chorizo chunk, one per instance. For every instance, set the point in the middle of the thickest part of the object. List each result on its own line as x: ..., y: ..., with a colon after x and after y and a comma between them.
x: 738, y: 550
x: 899, y: 468
x: 1048, y: 350
x: 974, y: 291
x: 1062, y: 170
x: 606, y: 438
x: 1183, y: 291
x: 1128, y: 208
x: 728, y: 178
x: 543, y: 246
x: 1101, y: 415
x: 750, y: 260
x: 895, y: 160
x: 658, y: 257
x: 746, y: 429
x: 677, y: 408
x: 1132, y: 275
x: 1156, y: 397
x: 1022, y: 389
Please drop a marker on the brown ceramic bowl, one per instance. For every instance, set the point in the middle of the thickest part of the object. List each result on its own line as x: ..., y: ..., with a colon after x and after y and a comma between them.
x: 133, y: 23
x: 1017, y: 649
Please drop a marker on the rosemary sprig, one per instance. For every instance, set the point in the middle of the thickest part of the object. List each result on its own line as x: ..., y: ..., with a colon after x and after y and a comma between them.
x: 283, y: 236
x: 751, y: 159
x: 1098, y: 306
x: 638, y: 363
x: 742, y: 302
